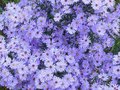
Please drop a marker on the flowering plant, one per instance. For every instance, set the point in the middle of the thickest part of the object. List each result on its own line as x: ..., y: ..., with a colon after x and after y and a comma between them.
x: 60, y: 45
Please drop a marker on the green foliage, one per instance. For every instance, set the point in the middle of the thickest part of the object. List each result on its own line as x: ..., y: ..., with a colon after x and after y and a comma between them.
x: 16, y: 1
x: 116, y: 48
x: 1, y: 9
x: 7, y: 1
x: 3, y: 88
x: 117, y: 1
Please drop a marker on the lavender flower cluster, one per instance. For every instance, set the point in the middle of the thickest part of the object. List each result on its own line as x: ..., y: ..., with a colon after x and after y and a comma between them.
x: 60, y: 45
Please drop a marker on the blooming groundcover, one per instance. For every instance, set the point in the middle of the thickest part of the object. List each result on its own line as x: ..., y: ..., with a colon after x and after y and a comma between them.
x: 60, y: 44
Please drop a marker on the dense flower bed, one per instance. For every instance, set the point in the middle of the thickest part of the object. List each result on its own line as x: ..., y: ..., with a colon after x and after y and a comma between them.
x: 60, y: 45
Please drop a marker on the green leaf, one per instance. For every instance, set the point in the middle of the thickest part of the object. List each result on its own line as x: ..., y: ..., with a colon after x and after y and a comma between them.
x: 16, y: 1
x: 1, y: 10
x: 116, y: 48
x: 3, y: 88
x: 5, y: 1
x: 117, y: 1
